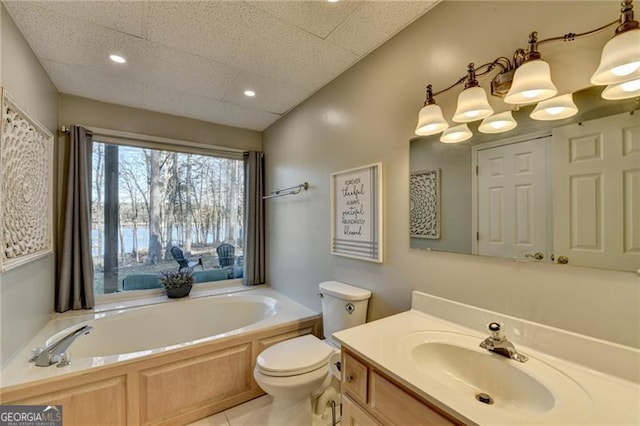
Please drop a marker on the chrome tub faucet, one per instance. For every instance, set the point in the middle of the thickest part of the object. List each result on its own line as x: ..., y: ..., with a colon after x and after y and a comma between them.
x: 498, y: 343
x: 57, y: 351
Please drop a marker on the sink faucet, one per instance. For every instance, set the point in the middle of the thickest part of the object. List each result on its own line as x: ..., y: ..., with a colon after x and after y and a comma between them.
x: 499, y: 344
x: 57, y: 350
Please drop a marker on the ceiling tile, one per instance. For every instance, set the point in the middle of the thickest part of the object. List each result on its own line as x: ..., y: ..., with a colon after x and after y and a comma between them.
x: 374, y: 22
x: 195, y: 58
x: 165, y: 100
x: 95, y: 84
x: 124, y: 16
x: 319, y: 18
x: 271, y: 95
x: 240, y: 35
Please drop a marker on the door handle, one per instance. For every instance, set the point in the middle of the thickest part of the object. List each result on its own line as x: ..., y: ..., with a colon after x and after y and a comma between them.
x: 537, y: 255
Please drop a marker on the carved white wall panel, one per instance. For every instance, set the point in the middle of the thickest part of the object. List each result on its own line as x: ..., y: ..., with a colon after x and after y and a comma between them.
x: 26, y: 183
x: 424, y: 188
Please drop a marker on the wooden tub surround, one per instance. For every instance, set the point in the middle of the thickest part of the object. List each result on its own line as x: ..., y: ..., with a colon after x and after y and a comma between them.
x: 173, y: 387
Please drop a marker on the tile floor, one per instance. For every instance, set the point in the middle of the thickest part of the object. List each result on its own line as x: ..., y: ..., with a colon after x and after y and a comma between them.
x: 254, y: 412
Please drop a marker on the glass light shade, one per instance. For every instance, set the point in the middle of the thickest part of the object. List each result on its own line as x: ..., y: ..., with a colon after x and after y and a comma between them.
x: 555, y: 108
x: 626, y: 90
x: 472, y: 105
x: 531, y: 83
x: 498, y: 123
x: 430, y: 121
x: 456, y: 134
x: 620, y: 60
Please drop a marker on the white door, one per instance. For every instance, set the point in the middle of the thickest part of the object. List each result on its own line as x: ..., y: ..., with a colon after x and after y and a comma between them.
x: 597, y: 192
x: 512, y: 200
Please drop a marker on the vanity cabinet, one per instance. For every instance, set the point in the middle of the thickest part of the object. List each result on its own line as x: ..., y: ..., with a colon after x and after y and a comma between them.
x: 370, y: 397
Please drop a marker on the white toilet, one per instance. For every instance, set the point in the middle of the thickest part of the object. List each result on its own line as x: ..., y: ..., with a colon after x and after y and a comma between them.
x: 296, y: 372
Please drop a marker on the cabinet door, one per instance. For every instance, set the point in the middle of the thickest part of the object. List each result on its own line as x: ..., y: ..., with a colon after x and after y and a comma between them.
x: 353, y: 415
x: 96, y: 404
x: 393, y: 405
x: 354, y: 378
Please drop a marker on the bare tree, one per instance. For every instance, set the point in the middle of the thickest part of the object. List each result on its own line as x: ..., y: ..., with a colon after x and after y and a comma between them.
x: 155, y: 237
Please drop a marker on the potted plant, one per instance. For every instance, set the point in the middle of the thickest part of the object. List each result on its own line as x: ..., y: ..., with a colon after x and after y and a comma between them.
x: 177, y: 284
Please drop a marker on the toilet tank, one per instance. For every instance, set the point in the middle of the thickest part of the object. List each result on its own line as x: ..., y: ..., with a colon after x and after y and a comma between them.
x: 343, y: 306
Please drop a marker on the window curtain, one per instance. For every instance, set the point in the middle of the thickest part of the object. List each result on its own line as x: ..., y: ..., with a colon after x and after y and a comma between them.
x: 254, y: 260
x: 74, y: 287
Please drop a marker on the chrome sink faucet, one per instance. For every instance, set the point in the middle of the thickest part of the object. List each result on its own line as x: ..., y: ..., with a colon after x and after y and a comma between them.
x: 57, y: 351
x: 499, y: 344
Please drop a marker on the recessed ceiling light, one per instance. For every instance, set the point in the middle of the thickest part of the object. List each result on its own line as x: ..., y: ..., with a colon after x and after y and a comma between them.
x: 249, y: 93
x: 117, y: 58
x: 332, y: 1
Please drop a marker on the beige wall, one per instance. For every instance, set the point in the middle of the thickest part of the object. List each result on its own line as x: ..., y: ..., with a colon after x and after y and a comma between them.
x: 87, y: 112
x: 368, y: 115
x: 26, y: 292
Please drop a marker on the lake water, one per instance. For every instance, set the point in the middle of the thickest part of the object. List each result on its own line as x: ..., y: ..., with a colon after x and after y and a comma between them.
x: 143, y: 239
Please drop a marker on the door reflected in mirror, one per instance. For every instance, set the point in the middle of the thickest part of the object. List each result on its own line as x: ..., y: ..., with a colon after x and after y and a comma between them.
x: 566, y: 191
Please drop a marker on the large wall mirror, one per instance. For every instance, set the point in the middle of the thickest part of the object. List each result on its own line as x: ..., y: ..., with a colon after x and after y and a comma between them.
x: 565, y: 191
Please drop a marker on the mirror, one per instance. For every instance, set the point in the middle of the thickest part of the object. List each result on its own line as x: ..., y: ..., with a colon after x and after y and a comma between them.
x: 564, y: 191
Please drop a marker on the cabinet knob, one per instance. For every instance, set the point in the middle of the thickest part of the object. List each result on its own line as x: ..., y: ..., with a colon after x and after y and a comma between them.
x: 348, y: 378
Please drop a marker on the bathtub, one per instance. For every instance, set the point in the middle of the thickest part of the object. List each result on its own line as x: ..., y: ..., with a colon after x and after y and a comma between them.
x: 137, y: 357
x: 166, y: 326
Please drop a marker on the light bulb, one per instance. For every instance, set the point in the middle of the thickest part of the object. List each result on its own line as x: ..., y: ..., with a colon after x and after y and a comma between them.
x: 555, y: 110
x: 625, y: 69
x: 498, y: 124
x: 630, y: 86
x: 529, y: 94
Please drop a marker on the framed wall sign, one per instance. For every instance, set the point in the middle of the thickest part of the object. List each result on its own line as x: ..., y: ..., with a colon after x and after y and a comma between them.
x: 356, y: 213
x: 424, y: 208
x: 26, y: 186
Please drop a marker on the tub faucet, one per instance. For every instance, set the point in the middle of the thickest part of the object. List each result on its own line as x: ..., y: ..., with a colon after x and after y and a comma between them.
x: 499, y: 344
x: 55, y: 351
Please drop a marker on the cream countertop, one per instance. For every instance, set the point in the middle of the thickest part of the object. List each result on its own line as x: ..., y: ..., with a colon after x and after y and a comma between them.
x: 609, y: 399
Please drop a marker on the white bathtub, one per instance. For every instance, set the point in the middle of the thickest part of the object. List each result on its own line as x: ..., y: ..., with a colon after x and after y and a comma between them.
x: 131, y: 333
x: 169, y: 324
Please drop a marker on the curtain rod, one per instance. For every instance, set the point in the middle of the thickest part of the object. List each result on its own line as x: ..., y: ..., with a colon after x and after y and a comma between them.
x: 149, y: 138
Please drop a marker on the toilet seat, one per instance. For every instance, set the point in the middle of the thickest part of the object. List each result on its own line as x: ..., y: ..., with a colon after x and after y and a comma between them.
x: 295, y: 356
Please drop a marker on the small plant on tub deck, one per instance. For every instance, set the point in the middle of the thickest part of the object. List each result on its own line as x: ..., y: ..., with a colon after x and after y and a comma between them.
x: 177, y: 284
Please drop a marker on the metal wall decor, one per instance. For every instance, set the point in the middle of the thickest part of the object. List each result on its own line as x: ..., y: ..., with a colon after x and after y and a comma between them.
x: 26, y: 186
x: 356, y: 213
x: 424, y: 208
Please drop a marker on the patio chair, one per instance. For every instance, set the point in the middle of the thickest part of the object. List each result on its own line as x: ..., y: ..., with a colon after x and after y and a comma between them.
x: 226, y: 255
x: 184, y: 263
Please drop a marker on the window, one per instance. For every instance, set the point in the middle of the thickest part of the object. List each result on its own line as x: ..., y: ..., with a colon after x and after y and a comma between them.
x: 144, y: 202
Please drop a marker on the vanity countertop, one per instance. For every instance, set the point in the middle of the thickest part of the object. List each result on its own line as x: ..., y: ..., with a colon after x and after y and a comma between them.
x: 605, y: 398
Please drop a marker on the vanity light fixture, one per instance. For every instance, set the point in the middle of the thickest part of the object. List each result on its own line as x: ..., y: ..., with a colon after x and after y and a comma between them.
x: 117, y: 59
x: 456, y: 134
x: 472, y: 101
x: 532, y: 80
x: 620, y: 60
x: 555, y: 108
x: 498, y: 123
x: 526, y: 79
x: 430, y: 119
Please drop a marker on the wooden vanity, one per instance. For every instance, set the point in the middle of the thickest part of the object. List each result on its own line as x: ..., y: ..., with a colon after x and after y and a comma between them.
x: 371, y: 397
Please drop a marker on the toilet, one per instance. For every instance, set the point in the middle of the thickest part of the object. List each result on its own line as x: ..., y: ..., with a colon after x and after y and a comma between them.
x: 296, y: 372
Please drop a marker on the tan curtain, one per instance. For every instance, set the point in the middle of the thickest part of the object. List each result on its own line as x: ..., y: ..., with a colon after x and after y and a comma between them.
x: 74, y: 287
x: 254, y: 259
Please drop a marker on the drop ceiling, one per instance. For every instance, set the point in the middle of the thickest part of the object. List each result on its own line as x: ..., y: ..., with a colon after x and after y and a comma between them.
x: 196, y: 59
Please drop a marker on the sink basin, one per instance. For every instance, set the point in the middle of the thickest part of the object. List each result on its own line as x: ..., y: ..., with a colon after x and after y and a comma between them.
x: 488, y: 382
x: 470, y: 371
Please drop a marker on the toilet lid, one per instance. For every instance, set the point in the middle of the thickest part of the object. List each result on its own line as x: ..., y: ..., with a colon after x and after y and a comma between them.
x: 295, y: 356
